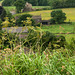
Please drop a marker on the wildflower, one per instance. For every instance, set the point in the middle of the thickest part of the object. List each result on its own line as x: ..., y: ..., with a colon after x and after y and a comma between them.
x: 67, y: 33
x: 62, y: 70
x: 63, y: 67
x: 68, y: 73
x: 63, y: 28
x: 45, y: 64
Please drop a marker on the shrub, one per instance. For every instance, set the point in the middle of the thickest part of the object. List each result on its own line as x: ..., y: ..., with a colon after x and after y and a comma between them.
x: 7, y: 40
x: 23, y: 18
x: 58, y: 16
x: 44, y: 40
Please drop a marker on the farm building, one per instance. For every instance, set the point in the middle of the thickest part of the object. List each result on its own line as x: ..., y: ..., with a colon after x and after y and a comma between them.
x: 28, y: 7
x: 17, y: 30
x: 38, y: 19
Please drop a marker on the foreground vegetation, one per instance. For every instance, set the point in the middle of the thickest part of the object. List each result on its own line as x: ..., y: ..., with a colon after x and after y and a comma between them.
x: 41, y: 52
x: 17, y: 58
x: 55, y: 63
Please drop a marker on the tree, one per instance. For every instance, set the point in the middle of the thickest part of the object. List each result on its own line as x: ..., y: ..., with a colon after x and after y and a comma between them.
x: 58, y: 16
x: 8, y: 2
x: 19, y: 5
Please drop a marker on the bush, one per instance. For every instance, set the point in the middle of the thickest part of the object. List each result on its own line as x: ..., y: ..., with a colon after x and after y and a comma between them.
x: 7, y: 40
x: 52, y: 21
x: 44, y: 40
x: 58, y: 16
x: 23, y: 18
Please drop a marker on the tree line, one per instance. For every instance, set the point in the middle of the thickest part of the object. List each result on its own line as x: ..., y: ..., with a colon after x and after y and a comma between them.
x: 33, y: 2
x: 53, y: 3
x: 62, y: 3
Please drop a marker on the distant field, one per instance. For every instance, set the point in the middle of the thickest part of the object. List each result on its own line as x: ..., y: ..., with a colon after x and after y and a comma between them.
x: 40, y: 6
x: 64, y: 28
x: 70, y: 13
x: 10, y: 8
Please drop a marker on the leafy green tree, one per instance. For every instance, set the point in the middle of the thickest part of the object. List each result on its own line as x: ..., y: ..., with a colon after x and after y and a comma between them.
x: 62, y: 3
x: 58, y: 16
x: 8, y: 2
x: 19, y: 5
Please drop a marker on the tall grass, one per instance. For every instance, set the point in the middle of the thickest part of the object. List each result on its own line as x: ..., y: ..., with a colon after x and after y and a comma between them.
x: 15, y: 61
x: 56, y: 63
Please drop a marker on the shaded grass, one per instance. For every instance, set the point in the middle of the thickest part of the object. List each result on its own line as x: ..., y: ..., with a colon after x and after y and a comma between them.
x: 46, y: 14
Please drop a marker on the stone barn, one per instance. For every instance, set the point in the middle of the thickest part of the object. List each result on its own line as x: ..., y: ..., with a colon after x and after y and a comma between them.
x: 37, y: 19
x: 28, y: 7
x: 46, y: 22
x: 18, y: 30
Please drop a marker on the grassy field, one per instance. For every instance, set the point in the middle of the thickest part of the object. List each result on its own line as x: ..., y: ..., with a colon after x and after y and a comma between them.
x: 60, y: 28
x: 40, y: 7
x: 70, y: 13
x: 11, y: 8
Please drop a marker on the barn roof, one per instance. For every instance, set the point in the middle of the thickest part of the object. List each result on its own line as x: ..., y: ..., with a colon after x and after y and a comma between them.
x: 36, y: 17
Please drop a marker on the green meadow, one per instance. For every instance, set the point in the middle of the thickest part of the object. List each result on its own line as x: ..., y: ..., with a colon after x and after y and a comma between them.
x: 45, y: 14
x: 70, y: 14
x: 60, y: 28
x: 11, y: 8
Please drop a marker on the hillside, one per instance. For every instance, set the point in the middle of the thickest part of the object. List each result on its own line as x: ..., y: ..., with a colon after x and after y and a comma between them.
x: 70, y: 13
